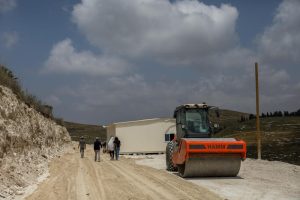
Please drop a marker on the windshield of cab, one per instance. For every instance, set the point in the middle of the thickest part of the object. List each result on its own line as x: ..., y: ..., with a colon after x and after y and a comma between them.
x: 197, y: 121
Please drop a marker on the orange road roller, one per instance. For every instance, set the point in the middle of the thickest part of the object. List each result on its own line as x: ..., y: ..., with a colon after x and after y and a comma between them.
x: 194, y: 153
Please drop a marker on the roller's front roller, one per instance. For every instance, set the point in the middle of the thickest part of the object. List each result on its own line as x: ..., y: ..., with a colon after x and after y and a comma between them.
x: 208, y: 166
x: 209, y: 157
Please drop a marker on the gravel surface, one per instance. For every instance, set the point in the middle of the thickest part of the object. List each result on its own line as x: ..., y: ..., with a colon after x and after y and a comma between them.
x: 258, y: 179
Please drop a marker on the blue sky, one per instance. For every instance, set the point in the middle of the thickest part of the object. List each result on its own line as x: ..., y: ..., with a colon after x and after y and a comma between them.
x: 103, y: 61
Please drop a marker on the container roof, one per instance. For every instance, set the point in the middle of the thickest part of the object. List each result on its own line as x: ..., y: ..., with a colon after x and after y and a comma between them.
x: 142, y: 121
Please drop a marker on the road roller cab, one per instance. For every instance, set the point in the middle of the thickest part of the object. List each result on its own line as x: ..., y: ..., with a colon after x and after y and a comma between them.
x: 195, y: 153
x: 192, y: 121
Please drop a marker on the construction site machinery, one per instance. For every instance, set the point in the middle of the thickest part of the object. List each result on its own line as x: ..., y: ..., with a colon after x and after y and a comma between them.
x: 194, y: 153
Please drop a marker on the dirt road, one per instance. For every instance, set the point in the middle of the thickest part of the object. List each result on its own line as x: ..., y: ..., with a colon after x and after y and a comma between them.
x: 74, y: 178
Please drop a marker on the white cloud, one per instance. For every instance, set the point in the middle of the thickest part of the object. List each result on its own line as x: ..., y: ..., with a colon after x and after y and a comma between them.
x: 297, y: 87
x: 10, y: 39
x: 185, y: 32
x: 133, y: 97
x: 281, y: 41
x: 7, y: 5
x: 64, y: 58
x: 278, y: 52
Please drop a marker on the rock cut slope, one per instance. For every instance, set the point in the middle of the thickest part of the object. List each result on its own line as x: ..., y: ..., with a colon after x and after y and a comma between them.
x: 27, y: 141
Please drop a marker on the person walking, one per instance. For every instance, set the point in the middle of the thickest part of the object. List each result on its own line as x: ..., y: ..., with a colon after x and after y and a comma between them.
x: 82, y: 146
x: 110, y: 147
x: 117, y: 144
x: 97, y: 146
x: 104, y: 146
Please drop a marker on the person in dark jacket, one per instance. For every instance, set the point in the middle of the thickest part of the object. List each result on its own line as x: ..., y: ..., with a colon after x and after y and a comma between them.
x: 97, y: 146
x: 82, y: 146
x: 117, y: 144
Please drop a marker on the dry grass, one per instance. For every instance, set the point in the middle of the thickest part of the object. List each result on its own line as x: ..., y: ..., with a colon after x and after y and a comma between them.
x: 280, y: 137
x: 8, y: 79
x: 89, y: 132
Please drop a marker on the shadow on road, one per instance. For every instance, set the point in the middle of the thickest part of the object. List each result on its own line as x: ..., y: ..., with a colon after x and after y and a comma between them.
x: 209, y: 178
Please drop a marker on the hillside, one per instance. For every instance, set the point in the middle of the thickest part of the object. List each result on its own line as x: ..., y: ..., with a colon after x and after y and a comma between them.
x: 280, y: 137
x: 28, y: 140
x: 9, y: 80
x: 227, y: 117
x: 89, y: 132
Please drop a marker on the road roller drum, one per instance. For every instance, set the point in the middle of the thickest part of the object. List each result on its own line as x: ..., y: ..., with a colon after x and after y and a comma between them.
x: 207, y: 166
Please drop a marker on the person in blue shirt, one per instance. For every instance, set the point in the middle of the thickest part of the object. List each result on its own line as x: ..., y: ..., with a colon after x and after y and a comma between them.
x: 97, y: 146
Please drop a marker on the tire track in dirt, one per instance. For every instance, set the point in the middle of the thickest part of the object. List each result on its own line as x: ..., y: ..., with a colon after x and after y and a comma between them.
x: 141, y: 183
x: 94, y: 179
x: 174, y: 182
x: 81, y: 186
x: 60, y: 185
x: 165, y: 183
x: 72, y: 177
x: 160, y: 178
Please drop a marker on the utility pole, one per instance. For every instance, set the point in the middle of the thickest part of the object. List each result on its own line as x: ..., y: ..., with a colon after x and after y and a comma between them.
x: 258, y: 136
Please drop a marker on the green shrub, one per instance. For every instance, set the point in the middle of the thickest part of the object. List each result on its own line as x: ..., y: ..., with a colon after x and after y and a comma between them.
x: 8, y: 79
x: 60, y: 121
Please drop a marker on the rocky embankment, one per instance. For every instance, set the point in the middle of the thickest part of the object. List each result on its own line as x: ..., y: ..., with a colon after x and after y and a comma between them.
x: 27, y: 141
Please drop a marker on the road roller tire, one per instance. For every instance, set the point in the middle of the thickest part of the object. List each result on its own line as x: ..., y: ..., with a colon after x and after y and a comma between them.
x: 169, y: 155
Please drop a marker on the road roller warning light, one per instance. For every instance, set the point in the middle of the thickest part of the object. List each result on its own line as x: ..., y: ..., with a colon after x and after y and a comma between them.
x: 194, y: 153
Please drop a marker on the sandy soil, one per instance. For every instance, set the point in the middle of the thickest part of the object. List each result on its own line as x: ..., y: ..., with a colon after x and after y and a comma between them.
x: 258, y: 179
x: 74, y: 178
